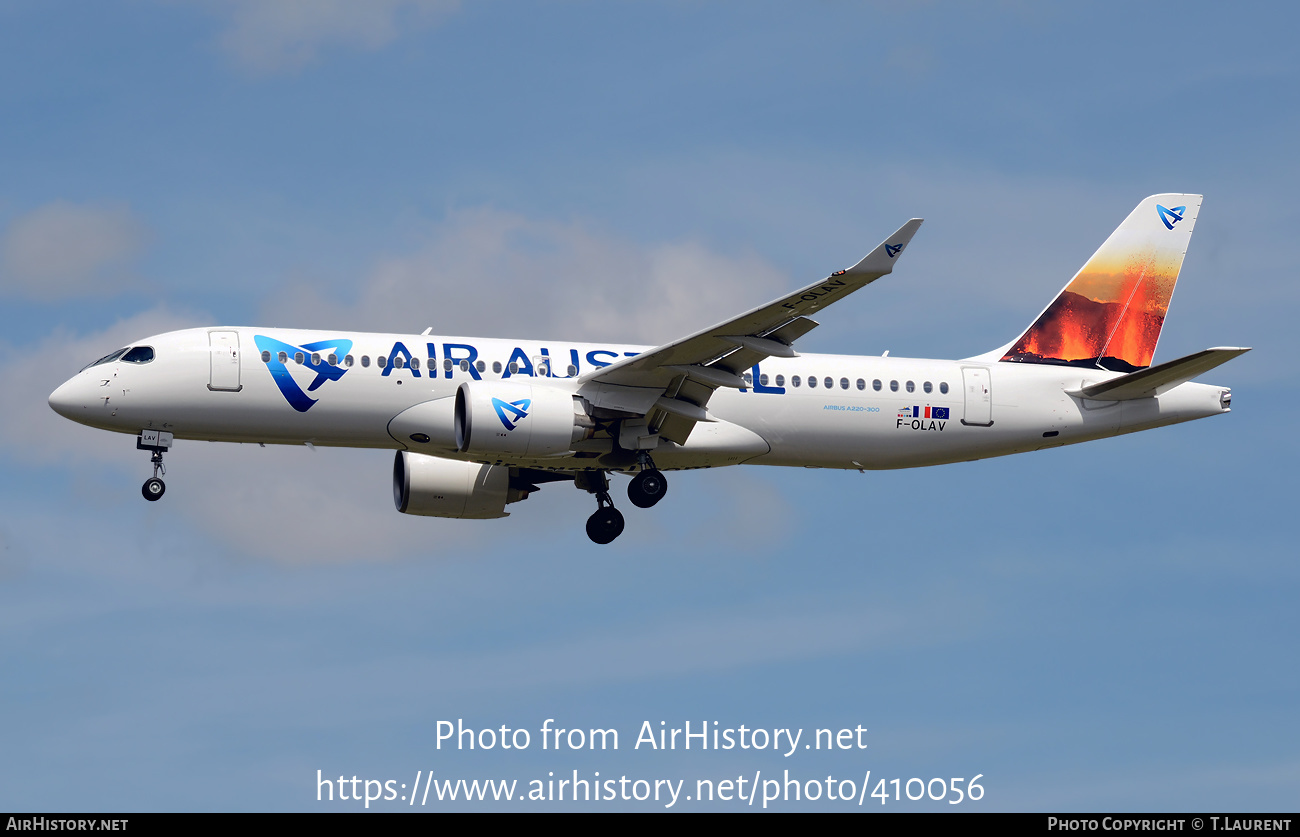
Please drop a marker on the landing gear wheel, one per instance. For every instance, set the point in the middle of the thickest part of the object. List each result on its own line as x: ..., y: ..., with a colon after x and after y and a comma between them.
x: 647, y: 488
x: 153, y: 488
x: 605, y: 524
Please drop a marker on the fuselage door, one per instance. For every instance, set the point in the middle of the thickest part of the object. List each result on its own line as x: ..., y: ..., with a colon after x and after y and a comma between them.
x: 979, y: 396
x: 224, y: 354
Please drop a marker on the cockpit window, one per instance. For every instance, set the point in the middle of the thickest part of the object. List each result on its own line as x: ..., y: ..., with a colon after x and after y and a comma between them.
x: 105, y: 359
x: 140, y: 354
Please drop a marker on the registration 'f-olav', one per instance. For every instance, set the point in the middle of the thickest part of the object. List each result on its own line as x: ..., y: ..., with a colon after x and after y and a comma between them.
x: 479, y: 423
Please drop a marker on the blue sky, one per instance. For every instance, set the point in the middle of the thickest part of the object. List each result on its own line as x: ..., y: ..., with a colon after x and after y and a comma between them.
x: 1108, y: 626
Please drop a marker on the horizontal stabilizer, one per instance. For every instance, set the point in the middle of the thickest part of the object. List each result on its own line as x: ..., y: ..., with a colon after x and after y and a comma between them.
x: 1158, y: 379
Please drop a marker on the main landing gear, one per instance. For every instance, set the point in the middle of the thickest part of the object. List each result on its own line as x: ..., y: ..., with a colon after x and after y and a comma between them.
x: 606, y: 523
x: 156, y: 441
x: 649, y: 486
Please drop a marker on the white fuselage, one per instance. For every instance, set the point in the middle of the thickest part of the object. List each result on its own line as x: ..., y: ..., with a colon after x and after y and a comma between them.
x: 925, y: 412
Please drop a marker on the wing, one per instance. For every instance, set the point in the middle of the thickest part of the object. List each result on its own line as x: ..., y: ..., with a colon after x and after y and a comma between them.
x: 671, y: 385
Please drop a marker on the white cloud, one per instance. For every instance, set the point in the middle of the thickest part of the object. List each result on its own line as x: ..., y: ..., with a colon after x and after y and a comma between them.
x: 277, y: 35
x: 492, y: 273
x: 64, y: 249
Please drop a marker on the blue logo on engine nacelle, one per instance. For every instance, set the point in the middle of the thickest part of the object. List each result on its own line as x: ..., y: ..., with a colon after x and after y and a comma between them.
x: 289, y: 388
x: 518, y: 411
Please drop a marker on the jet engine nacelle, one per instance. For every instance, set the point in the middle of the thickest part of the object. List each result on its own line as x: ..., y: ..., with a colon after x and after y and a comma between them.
x: 503, y: 418
x: 437, y: 487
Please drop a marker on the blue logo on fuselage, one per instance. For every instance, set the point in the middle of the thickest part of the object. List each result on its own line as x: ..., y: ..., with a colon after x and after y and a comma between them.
x: 324, y: 370
x: 1170, y: 216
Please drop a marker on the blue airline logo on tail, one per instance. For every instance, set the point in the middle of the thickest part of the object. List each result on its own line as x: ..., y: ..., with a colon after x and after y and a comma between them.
x: 325, y: 371
x: 892, y: 250
x: 518, y: 411
x: 1170, y: 216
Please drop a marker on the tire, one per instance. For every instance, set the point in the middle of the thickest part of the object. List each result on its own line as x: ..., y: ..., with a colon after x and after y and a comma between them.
x: 647, y: 488
x: 153, y: 489
x: 605, y: 525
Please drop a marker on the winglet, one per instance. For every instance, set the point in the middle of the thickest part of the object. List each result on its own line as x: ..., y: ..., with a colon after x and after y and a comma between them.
x: 881, y: 260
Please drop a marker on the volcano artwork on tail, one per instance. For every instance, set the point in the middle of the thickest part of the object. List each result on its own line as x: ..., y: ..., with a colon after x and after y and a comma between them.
x: 1110, y: 314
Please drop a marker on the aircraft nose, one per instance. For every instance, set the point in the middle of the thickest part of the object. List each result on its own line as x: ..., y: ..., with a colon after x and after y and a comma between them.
x: 65, y: 400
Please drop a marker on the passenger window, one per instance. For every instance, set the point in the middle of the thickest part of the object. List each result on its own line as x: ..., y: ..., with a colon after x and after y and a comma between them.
x: 862, y: 384
x: 943, y: 387
x: 365, y: 361
x: 347, y: 360
x: 297, y: 357
x: 928, y: 387
x: 514, y: 369
x: 381, y: 361
x: 812, y: 382
x: 571, y: 371
x: 496, y: 367
x: 911, y: 387
x: 315, y: 358
x: 398, y: 362
x: 794, y: 381
x: 875, y: 384
x: 762, y: 379
x: 446, y: 365
x: 748, y: 378
x: 780, y: 380
x: 844, y: 383
x: 893, y: 386
x: 266, y: 357
x: 332, y: 360
x: 415, y: 363
x: 481, y: 366
x: 283, y: 357
x: 464, y: 366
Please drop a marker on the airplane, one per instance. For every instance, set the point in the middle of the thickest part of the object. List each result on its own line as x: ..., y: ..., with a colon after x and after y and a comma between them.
x: 478, y: 424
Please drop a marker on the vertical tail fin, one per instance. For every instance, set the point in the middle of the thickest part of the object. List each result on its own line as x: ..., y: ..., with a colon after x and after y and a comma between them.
x: 1110, y: 314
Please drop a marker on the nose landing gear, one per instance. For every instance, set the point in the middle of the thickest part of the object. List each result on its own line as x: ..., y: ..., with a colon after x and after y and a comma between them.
x: 156, y: 441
